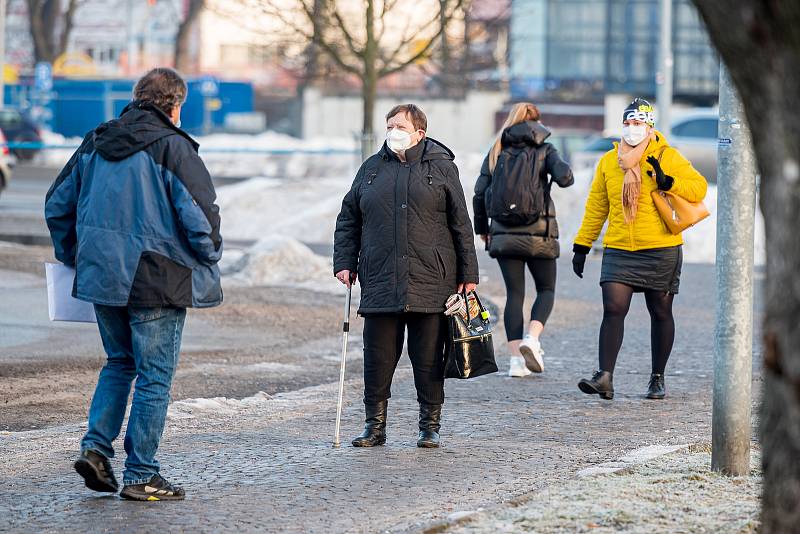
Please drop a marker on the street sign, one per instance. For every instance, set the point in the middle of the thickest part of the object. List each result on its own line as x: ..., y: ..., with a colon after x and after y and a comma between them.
x: 209, y: 86
x: 43, y: 77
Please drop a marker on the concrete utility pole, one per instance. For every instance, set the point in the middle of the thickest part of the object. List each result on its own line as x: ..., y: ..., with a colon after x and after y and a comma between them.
x: 665, y: 68
x: 733, y: 344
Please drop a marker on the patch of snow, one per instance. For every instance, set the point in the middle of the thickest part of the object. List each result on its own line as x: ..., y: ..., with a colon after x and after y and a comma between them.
x: 279, y: 260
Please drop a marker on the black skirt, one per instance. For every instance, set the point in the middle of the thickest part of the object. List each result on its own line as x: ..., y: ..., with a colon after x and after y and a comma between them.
x: 657, y: 269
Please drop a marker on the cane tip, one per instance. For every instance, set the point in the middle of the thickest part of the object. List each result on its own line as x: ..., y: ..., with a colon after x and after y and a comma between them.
x: 336, y: 445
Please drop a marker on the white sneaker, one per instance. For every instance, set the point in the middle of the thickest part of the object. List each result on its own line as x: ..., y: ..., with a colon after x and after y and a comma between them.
x: 517, y: 367
x: 532, y: 352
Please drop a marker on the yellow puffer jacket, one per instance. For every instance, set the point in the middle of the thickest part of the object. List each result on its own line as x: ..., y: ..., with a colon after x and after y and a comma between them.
x: 647, y: 230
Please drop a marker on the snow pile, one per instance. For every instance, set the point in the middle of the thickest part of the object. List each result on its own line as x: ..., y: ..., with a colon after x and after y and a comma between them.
x: 191, y: 408
x: 305, y: 209
x: 236, y: 155
x: 56, y: 157
x: 282, y: 261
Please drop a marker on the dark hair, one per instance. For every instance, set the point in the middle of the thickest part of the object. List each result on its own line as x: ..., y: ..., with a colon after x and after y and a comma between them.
x: 162, y: 87
x: 418, y: 118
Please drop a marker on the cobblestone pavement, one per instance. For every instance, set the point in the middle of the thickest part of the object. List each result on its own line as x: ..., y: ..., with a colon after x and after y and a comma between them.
x: 266, y: 464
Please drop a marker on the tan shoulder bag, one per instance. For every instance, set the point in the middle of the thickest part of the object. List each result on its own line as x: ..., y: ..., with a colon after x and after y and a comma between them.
x: 677, y: 212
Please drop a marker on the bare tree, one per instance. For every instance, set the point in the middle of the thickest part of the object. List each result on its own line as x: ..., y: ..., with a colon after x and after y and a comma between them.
x: 50, y: 27
x: 183, y: 61
x: 759, y: 41
x: 360, y: 45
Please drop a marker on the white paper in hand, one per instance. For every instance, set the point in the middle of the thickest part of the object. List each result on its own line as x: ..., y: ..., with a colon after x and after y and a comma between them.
x: 62, y: 306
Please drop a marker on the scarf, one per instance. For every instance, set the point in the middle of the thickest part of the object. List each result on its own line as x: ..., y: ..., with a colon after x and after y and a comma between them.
x: 628, y: 158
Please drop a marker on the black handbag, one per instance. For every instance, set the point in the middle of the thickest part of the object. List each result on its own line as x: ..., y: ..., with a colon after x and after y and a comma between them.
x: 470, y: 351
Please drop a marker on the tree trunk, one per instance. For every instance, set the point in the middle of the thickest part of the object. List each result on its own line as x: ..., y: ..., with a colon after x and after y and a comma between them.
x: 183, y: 59
x: 369, y: 83
x: 44, y: 17
x: 763, y: 58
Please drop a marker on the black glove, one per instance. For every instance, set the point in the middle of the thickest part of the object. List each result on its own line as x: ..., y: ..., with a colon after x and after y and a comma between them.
x: 664, y: 182
x: 579, y: 258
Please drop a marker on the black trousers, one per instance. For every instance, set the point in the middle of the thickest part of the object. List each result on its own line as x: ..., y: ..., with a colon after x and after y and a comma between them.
x: 383, y: 346
x: 544, y: 278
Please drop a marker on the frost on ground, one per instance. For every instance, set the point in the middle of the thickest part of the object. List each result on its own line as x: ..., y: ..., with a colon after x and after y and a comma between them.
x: 673, y: 493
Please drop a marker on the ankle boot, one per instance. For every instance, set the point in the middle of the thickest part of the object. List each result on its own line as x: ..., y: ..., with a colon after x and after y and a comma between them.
x: 602, y: 383
x: 375, y: 426
x: 656, y: 389
x: 430, y: 416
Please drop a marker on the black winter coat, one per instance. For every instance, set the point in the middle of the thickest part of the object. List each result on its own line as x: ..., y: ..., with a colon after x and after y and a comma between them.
x: 537, y: 240
x: 405, y: 228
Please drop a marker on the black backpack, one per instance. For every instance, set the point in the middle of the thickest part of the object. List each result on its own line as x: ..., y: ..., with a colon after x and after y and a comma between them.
x: 517, y: 195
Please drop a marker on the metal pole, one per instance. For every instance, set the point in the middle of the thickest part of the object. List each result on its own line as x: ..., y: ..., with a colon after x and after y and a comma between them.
x: 733, y: 343
x: 2, y: 52
x: 665, y: 68
x: 345, y: 331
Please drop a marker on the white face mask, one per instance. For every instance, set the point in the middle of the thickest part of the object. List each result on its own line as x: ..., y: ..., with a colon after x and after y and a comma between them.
x: 634, y: 134
x: 398, y: 140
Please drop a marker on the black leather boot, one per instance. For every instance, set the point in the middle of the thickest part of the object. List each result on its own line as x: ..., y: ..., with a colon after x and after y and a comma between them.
x: 602, y: 383
x: 430, y: 416
x: 656, y: 388
x: 375, y: 427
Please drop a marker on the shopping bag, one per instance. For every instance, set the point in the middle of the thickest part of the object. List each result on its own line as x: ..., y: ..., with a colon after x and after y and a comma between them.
x: 60, y: 302
x: 470, y: 352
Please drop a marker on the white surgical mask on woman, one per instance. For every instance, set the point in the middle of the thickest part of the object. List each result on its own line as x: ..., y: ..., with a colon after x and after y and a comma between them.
x: 398, y: 140
x: 634, y: 133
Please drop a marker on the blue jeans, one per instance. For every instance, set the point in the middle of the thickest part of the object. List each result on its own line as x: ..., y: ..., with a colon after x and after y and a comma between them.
x: 141, y: 343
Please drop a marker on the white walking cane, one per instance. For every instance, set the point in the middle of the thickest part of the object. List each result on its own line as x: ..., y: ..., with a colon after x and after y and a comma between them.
x: 345, y: 330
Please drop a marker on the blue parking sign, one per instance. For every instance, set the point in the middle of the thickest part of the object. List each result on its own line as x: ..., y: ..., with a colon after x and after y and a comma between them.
x: 43, y: 77
x: 209, y: 86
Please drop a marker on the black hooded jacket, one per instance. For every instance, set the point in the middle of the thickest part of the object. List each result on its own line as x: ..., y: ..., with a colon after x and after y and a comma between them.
x: 537, y: 240
x: 404, y: 227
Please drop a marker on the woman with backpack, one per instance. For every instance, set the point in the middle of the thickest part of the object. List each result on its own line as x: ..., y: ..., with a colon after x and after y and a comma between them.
x: 641, y: 254
x: 516, y: 218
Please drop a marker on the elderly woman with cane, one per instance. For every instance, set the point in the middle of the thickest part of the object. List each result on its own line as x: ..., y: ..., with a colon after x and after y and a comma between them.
x: 404, y: 232
x: 641, y: 253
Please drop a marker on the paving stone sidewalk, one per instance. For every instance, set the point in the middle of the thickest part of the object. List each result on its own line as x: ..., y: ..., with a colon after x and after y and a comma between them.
x: 266, y: 464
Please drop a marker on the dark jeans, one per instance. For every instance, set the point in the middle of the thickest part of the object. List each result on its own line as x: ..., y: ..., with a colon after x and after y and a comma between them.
x: 141, y: 343
x: 544, y: 278
x: 383, y: 345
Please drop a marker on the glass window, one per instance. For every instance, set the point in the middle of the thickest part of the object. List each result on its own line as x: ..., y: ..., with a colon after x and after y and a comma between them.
x: 698, y: 128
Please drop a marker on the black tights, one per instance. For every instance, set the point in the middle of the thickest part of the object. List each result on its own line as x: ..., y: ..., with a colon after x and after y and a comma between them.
x: 616, y: 302
x: 544, y: 278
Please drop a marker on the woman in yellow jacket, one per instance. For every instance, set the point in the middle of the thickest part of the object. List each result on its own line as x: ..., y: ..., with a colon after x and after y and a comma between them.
x: 640, y: 255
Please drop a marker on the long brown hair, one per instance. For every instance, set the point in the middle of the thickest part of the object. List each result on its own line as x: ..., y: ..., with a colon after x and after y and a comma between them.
x: 524, y: 111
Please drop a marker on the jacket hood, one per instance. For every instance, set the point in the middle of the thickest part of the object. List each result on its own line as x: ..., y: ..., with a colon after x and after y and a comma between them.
x: 530, y: 133
x: 139, y: 125
x: 429, y: 148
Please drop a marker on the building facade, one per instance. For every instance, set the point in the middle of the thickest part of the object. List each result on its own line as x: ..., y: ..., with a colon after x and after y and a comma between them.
x: 579, y: 50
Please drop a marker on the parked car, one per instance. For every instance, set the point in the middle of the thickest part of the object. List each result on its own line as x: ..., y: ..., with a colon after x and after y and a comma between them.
x: 591, y: 152
x: 568, y: 141
x: 695, y: 134
x: 18, y: 127
x: 5, y: 164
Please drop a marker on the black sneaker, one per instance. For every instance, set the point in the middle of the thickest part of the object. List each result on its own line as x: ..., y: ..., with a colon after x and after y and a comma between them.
x: 96, y: 472
x: 157, y: 489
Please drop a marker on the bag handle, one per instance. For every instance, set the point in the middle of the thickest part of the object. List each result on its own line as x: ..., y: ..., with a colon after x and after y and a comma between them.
x: 483, y: 313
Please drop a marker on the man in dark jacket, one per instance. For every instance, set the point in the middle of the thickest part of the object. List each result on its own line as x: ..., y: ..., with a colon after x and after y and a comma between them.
x: 133, y: 212
x: 404, y: 228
